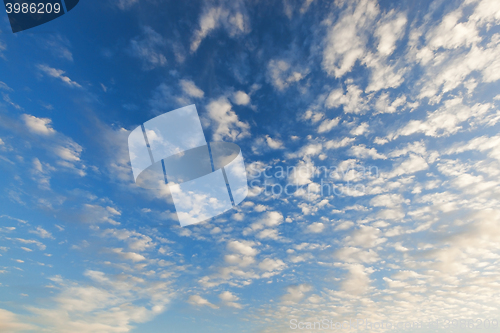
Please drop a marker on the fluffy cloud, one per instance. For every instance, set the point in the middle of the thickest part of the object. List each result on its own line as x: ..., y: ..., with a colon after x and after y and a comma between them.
x: 352, y: 100
x: 316, y: 227
x: 42, y: 233
x: 357, y: 280
x: 225, y: 120
x: 10, y: 322
x: 335, y: 144
x: 197, y: 300
x: 107, y: 306
x: 135, y: 240
x: 282, y: 74
x: 389, y: 31
x: 230, y: 299
x: 413, y: 164
x: 345, y: 42
x: 135, y: 257
x: 191, y: 89
x: 328, y: 124
x: 269, y: 264
x: 38, y: 125
x: 241, y: 98
x: 242, y: 247
x: 296, y: 293
x: 365, y: 237
x: 362, y: 152
x: 482, y: 143
x: 444, y: 121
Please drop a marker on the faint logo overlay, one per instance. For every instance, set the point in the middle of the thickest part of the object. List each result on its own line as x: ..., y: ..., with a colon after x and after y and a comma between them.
x: 204, y: 179
x: 26, y: 14
x: 307, y: 180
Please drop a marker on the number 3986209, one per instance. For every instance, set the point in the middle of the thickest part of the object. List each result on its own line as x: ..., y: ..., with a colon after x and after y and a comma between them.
x: 33, y: 8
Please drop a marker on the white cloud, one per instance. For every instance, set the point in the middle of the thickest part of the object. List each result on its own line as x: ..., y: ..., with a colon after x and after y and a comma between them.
x: 269, y: 264
x: 7, y: 99
x: 4, y: 86
x: 64, y: 148
x: 380, y: 141
x: 346, y: 225
x: 270, y: 219
x: 10, y: 322
x: 314, y: 116
x: 328, y: 124
x: 268, y: 233
x: 296, y: 293
x: 383, y: 105
x: 302, y: 174
x: 109, y: 304
x: 166, y: 96
x: 316, y: 227
x: 230, y: 299
x: 362, y: 152
x: 273, y: 143
x: 232, y: 17
x: 38, y: 125
x: 347, y: 42
x: 242, y: 247
x: 352, y: 101
x: 366, y: 237
x: 389, y: 31
x: 190, y: 88
x: 135, y: 240
x: 311, y: 149
x: 135, y: 257
x: 346, y: 39
x: 241, y: 98
x: 40, y: 245
x: 413, y: 164
x: 388, y: 200
x: 197, y: 300
x: 357, y: 281
x: 445, y: 121
x: 335, y: 144
x: 360, y: 130
x: 41, y: 232
x: 354, y: 254
x: 282, y: 74
x: 482, y: 143
x: 69, y: 153
x: 93, y: 214
x: 41, y: 173
x: 265, y: 143
x: 455, y: 48
x: 58, y: 46
x: 58, y: 73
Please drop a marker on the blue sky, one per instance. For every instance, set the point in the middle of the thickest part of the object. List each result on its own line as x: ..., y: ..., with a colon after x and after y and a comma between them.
x: 397, y: 99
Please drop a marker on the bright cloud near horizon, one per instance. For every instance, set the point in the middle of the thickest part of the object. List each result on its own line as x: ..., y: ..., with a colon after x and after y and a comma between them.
x: 383, y: 116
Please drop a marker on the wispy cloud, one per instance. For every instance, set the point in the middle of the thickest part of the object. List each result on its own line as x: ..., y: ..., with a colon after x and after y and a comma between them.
x: 59, y: 74
x: 149, y: 48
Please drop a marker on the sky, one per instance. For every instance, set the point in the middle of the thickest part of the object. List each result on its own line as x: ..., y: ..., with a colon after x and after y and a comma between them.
x: 369, y: 131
